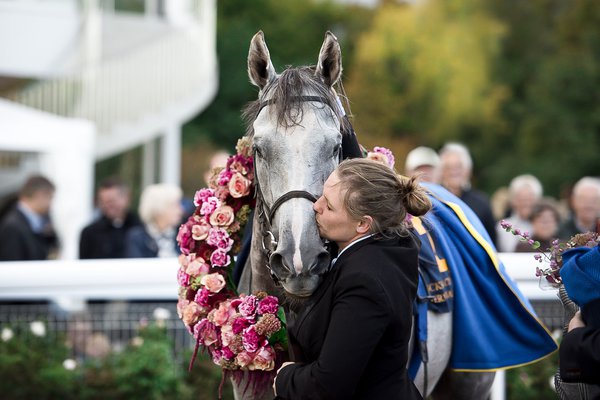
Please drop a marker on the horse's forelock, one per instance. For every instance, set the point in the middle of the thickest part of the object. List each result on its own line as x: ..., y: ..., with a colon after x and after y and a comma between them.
x: 286, y: 91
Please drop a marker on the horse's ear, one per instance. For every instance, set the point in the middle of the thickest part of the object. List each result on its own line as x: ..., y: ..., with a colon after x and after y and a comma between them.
x: 329, y: 66
x: 260, y: 68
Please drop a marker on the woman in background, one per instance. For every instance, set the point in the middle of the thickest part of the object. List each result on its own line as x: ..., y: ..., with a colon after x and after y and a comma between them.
x: 160, y: 211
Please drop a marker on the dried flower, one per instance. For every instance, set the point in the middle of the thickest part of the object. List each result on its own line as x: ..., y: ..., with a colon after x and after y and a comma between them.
x: 553, y: 254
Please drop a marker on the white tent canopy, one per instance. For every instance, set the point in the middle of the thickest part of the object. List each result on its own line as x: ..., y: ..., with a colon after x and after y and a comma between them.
x: 65, y: 149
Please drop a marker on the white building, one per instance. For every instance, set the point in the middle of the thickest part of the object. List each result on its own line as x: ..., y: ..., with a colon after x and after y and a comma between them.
x: 83, y: 81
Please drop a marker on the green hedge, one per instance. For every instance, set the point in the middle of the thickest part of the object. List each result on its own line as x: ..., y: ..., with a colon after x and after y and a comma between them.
x: 39, y: 366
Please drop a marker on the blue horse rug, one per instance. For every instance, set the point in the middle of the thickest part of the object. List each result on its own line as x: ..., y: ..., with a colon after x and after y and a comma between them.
x: 494, y: 325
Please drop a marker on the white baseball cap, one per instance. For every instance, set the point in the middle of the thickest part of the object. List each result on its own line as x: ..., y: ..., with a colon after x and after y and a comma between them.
x: 421, y: 156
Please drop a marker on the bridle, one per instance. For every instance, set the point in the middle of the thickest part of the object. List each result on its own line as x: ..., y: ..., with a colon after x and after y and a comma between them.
x: 266, y: 213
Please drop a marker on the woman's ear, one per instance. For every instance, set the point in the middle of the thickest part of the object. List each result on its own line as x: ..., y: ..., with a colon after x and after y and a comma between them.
x: 364, y: 225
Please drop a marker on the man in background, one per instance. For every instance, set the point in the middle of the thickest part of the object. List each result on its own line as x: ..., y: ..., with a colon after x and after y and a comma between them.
x: 105, y: 237
x: 26, y: 232
x: 456, y: 169
x: 585, y: 215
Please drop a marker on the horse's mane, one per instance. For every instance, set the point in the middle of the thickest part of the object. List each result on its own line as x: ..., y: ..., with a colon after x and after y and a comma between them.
x: 286, y: 90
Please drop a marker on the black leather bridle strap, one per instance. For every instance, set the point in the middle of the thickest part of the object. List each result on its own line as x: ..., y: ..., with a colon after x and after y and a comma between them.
x: 293, y: 194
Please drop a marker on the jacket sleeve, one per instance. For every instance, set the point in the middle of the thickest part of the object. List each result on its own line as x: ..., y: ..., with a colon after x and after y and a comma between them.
x: 11, y: 244
x: 580, y: 356
x: 360, y: 315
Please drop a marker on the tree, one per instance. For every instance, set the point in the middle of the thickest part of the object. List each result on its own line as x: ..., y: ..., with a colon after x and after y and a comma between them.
x: 423, y: 73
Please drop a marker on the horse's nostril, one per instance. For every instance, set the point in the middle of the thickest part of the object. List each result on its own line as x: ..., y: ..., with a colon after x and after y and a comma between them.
x: 321, y: 264
x: 278, y: 267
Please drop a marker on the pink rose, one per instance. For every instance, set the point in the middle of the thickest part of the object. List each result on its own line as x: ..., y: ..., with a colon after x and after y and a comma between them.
x: 264, y: 359
x: 206, y: 331
x: 197, y: 267
x: 202, y: 196
x: 200, y: 230
x: 182, y: 278
x: 239, y: 186
x: 191, y: 313
x: 244, y: 359
x: 213, y: 282
x: 250, y: 339
x: 387, y: 153
x: 222, y: 216
x: 219, y: 258
x: 209, y: 205
x: 221, y: 315
x: 268, y: 305
x: 248, y: 306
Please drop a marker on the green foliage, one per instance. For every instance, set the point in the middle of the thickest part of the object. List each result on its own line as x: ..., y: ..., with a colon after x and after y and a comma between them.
x: 33, y: 367
x: 513, y: 80
x: 532, y: 381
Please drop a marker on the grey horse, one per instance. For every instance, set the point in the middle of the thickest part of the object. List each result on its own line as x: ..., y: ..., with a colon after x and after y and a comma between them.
x: 296, y: 125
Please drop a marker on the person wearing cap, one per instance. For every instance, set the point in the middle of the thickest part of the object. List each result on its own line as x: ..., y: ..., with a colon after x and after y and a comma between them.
x: 424, y: 162
x: 580, y: 347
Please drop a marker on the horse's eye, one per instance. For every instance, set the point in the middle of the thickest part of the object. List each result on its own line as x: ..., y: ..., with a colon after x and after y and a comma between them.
x: 336, y: 150
x: 256, y: 150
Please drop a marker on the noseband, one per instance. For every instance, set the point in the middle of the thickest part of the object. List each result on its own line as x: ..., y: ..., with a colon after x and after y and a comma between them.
x: 266, y: 213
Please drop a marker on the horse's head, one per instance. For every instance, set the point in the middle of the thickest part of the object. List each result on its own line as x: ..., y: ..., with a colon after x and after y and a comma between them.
x: 296, y: 126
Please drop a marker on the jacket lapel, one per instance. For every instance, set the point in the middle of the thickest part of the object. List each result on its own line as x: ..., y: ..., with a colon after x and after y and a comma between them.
x: 327, y: 282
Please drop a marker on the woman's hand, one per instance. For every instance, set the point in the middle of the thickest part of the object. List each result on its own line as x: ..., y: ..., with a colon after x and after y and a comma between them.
x: 576, y: 322
x: 285, y: 364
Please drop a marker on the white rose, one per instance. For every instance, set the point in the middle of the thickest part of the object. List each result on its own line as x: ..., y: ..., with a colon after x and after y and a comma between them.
x: 161, y: 314
x: 7, y: 334
x: 69, y: 364
x: 38, y: 328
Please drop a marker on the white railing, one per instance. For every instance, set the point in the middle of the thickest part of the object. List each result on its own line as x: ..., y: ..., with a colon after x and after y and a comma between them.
x: 71, y: 282
x: 155, y: 278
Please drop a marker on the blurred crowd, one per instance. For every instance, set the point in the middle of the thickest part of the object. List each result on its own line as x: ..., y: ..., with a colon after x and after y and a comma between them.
x: 522, y: 204
x: 117, y: 231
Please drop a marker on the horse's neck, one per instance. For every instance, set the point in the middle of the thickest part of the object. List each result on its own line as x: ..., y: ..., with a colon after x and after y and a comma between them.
x: 260, y: 279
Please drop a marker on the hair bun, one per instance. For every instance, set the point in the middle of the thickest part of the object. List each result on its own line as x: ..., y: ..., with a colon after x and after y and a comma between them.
x: 414, y: 197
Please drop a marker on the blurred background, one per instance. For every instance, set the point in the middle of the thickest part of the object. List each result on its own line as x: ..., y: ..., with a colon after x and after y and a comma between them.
x: 147, y: 91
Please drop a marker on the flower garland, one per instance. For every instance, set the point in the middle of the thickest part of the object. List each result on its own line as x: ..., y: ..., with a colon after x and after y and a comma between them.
x: 242, y: 332
x: 553, y: 254
x: 239, y: 332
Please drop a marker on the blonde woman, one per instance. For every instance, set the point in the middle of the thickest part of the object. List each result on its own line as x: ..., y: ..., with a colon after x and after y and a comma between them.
x: 352, y: 343
x: 161, y: 213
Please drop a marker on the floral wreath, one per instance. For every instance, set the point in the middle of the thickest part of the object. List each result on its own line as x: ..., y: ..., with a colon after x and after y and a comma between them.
x: 240, y: 332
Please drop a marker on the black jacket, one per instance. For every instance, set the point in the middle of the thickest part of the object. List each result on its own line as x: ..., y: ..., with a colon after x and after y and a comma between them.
x: 18, y: 242
x: 139, y: 244
x: 102, y: 239
x: 580, y: 349
x: 352, y: 341
x: 480, y: 204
